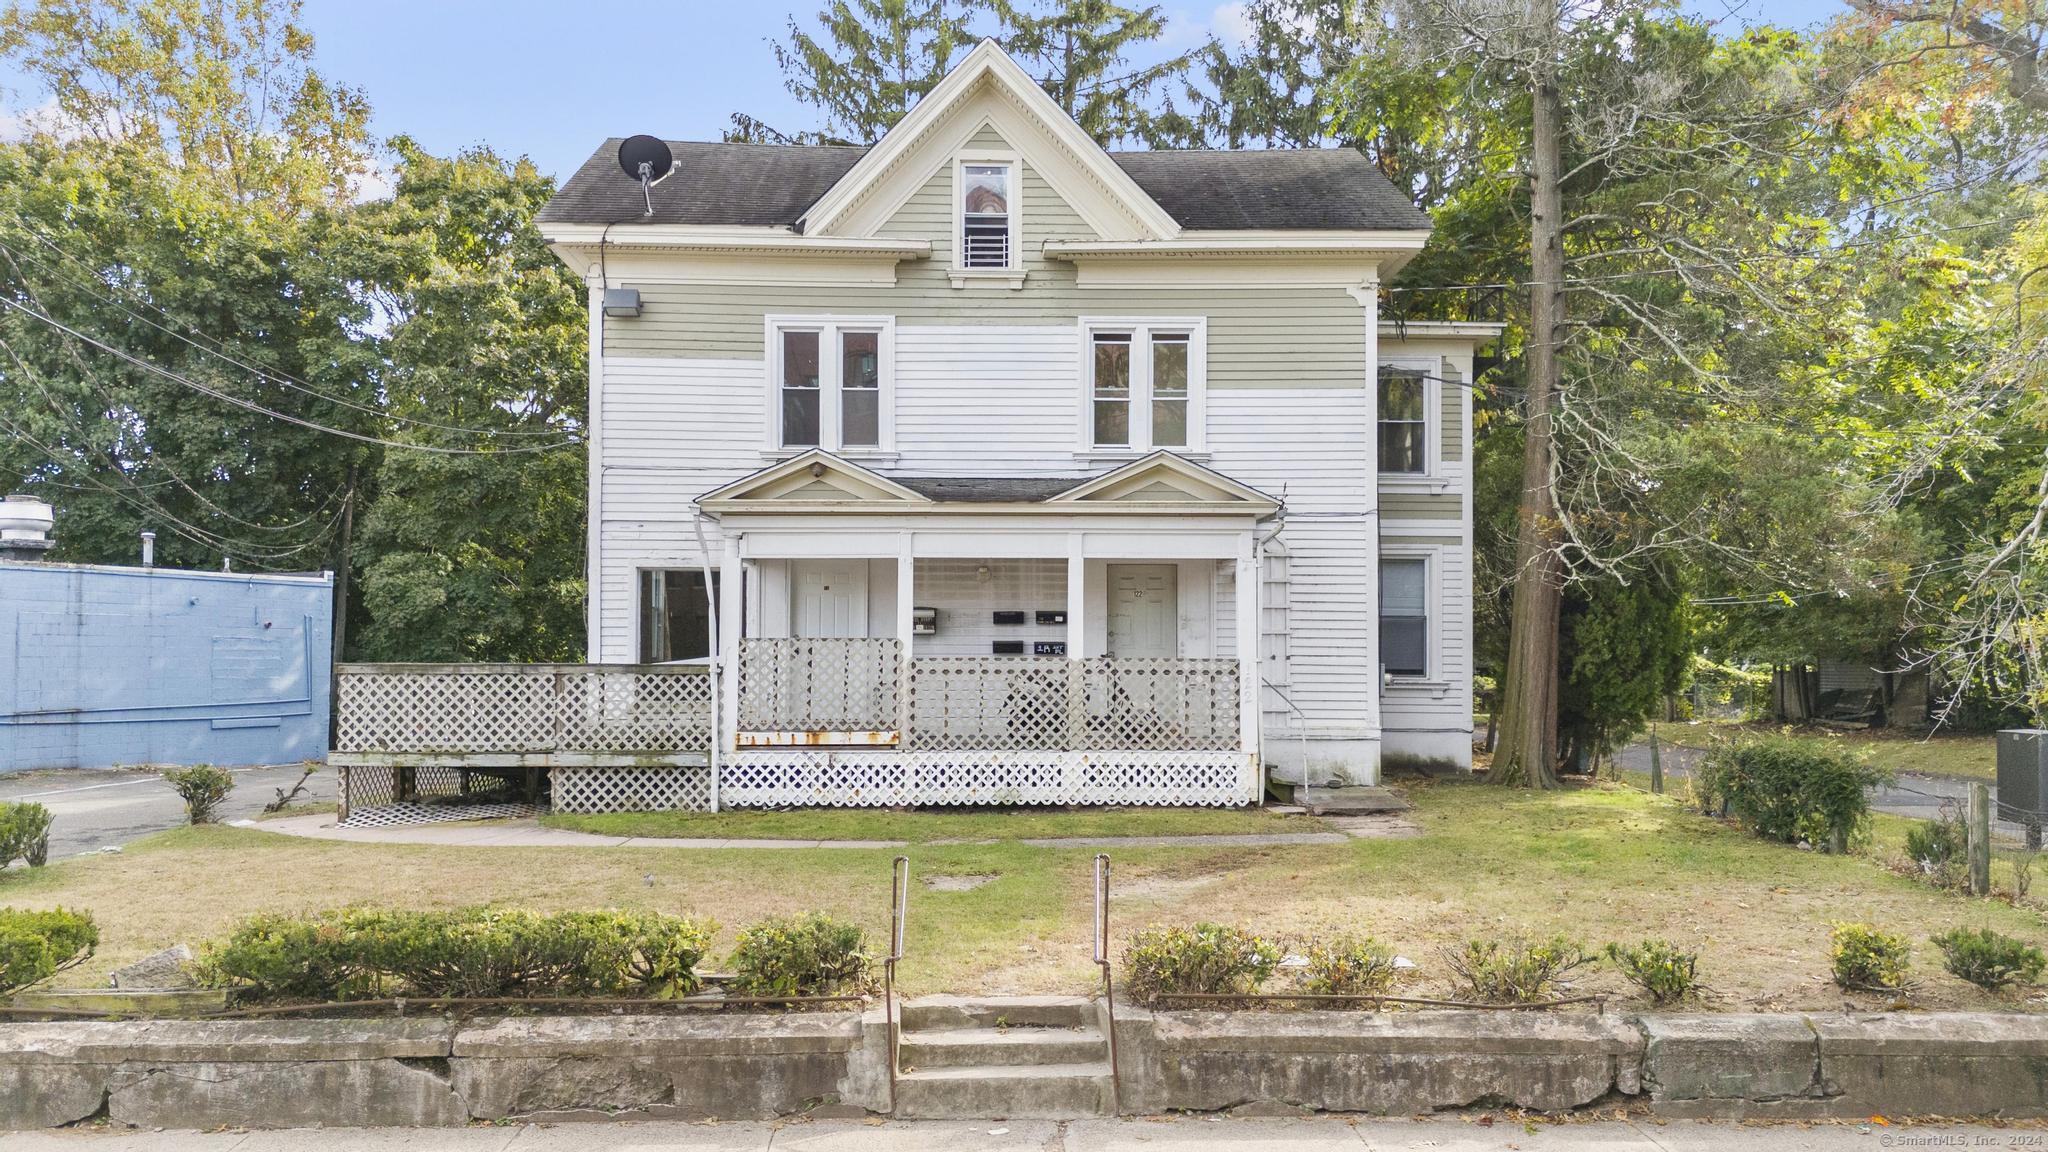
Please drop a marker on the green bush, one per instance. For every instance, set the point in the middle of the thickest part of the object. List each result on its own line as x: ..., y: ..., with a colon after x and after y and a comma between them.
x: 1349, y: 966
x: 202, y: 787
x: 1867, y: 960
x: 1938, y: 846
x: 463, y: 954
x: 35, y: 946
x: 809, y: 955
x: 1515, y: 972
x: 25, y: 833
x: 1209, y: 959
x: 1791, y: 790
x: 1666, y: 973
x: 1988, y: 959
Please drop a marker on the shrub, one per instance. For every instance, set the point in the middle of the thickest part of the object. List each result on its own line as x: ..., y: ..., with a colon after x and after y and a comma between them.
x: 1867, y: 960
x: 35, y: 946
x: 202, y: 787
x: 1988, y: 959
x: 25, y: 833
x: 809, y: 955
x: 1790, y: 790
x: 1515, y: 972
x: 467, y: 953
x: 1209, y: 959
x: 1349, y: 966
x: 1661, y: 970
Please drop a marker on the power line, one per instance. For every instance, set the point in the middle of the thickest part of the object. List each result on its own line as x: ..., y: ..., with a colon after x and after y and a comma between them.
x: 252, y: 406
x: 281, y: 379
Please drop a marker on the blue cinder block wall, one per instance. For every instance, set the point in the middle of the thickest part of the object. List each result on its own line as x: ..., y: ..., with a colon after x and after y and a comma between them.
x: 104, y: 666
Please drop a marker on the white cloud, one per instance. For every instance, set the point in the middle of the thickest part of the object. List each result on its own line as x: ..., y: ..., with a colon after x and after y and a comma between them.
x: 42, y: 119
x: 1232, y: 24
x: 375, y: 182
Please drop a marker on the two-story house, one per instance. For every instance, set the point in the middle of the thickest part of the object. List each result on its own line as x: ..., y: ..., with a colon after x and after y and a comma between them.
x: 991, y: 466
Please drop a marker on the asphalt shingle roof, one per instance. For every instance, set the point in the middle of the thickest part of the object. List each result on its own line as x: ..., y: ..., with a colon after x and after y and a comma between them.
x: 773, y: 184
x: 989, y: 489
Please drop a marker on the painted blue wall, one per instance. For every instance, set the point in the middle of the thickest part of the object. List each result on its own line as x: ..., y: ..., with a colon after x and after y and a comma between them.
x: 105, y: 666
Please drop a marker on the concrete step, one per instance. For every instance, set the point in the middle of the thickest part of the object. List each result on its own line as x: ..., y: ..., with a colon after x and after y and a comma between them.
x: 1010, y: 1047
x: 1350, y: 800
x: 1043, y: 1092
x: 938, y: 1013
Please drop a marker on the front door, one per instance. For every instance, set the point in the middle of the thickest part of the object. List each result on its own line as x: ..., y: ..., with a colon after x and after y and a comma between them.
x: 1144, y: 610
x: 831, y: 599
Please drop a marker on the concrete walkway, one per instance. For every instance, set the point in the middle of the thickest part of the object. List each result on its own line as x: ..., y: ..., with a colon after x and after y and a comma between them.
x: 1152, y: 1134
x: 531, y: 834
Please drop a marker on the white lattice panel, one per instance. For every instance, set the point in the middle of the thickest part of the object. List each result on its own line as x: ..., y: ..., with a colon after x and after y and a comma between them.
x: 520, y: 708
x: 990, y: 703
x: 838, y: 684
x: 667, y: 788
x: 1159, y: 704
x: 802, y: 778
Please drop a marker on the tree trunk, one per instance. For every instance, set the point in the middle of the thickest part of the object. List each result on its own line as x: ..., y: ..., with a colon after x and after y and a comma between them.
x: 1527, y: 756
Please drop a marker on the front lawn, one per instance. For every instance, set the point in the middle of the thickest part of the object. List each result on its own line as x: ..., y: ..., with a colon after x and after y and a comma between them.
x: 1597, y: 863
x: 926, y: 826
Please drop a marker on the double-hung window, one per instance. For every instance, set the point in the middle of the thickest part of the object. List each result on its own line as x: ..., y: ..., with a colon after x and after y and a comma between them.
x: 829, y: 382
x: 987, y: 215
x: 1144, y: 385
x: 1406, y: 392
x: 675, y: 616
x: 1404, y: 616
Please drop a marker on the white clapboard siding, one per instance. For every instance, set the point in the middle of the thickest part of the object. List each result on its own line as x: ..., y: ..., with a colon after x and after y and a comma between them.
x: 1000, y: 400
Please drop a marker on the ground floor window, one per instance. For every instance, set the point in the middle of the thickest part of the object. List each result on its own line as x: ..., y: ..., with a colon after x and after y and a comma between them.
x: 1404, y: 616
x: 675, y: 619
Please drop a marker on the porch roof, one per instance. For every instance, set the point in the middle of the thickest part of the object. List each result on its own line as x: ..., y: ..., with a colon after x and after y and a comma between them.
x: 819, y: 481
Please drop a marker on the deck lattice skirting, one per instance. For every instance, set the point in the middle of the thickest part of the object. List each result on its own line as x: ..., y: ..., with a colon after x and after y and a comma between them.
x: 967, y: 730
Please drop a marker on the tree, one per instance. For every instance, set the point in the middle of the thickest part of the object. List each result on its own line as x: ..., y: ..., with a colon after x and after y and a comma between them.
x: 873, y: 62
x: 476, y: 557
x: 1078, y: 50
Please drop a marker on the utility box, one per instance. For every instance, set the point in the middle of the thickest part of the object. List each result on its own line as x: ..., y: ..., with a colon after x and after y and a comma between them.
x: 2023, y: 778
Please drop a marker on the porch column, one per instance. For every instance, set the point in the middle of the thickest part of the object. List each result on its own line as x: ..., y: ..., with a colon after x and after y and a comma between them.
x: 732, y: 579
x: 906, y: 603
x: 1077, y: 597
x: 1249, y: 667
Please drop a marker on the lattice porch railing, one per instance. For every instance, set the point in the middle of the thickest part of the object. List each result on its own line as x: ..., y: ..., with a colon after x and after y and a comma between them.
x: 1049, y: 703
x: 507, y: 709
x: 851, y: 684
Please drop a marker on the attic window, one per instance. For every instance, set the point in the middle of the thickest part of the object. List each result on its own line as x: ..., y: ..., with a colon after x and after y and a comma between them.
x: 986, y: 217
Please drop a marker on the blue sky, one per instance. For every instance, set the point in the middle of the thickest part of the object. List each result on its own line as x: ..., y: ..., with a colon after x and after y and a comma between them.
x: 552, y: 80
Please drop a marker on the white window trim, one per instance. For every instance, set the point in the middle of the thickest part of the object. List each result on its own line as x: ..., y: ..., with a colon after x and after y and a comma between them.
x: 1431, y: 556
x: 640, y: 572
x: 830, y: 433
x: 960, y: 274
x: 1141, y: 329
x: 1431, y: 478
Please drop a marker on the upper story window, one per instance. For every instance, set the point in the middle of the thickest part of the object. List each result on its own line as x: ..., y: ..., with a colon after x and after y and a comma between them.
x: 1405, y: 423
x: 1144, y: 384
x: 985, y: 215
x: 829, y: 380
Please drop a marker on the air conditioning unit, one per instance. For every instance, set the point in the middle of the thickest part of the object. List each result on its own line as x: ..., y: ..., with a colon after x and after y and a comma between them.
x: 2023, y: 778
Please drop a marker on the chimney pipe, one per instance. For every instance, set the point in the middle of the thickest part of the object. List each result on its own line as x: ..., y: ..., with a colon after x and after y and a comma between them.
x: 149, y: 549
x: 24, y: 528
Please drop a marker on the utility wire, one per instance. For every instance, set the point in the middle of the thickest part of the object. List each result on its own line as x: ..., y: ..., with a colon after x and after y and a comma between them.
x: 252, y: 406
x: 283, y: 380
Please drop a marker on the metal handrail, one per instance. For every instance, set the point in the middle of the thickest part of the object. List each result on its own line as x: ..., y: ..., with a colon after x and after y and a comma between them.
x: 899, y: 912
x: 1102, y: 960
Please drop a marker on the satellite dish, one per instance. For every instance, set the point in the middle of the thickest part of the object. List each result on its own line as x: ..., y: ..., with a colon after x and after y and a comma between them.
x: 648, y: 160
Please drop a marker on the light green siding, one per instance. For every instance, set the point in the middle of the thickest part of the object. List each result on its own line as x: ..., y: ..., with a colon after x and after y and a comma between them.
x: 1453, y: 414
x: 1259, y: 337
x: 1421, y: 506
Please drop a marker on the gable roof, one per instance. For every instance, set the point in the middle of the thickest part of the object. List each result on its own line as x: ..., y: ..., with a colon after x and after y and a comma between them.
x: 771, y: 185
x: 816, y: 477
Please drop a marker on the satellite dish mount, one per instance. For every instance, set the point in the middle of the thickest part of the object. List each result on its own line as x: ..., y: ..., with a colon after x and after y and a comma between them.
x: 648, y: 160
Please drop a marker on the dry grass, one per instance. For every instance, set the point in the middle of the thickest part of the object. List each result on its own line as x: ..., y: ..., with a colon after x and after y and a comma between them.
x: 1598, y: 864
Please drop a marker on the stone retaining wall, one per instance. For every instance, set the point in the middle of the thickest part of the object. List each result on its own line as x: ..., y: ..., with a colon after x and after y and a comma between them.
x: 289, y: 1073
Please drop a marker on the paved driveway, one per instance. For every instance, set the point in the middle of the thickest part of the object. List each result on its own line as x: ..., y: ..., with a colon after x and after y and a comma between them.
x: 96, y: 807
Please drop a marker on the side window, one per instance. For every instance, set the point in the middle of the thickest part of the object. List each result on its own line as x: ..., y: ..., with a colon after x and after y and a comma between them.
x: 985, y: 208
x: 1143, y: 381
x: 1404, y: 420
x: 829, y: 381
x: 1404, y: 616
x: 675, y: 619
x: 1112, y: 384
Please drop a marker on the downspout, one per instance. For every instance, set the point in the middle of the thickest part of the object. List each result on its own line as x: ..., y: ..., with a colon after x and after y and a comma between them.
x: 711, y: 666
